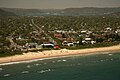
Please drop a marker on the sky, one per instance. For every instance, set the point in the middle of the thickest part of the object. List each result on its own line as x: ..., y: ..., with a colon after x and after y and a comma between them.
x: 58, y: 4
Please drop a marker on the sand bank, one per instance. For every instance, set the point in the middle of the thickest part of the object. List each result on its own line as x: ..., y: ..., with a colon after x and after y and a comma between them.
x: 57, y: 53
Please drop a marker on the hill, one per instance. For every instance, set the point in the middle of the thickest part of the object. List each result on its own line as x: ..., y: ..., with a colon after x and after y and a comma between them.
x: 63, y: 12
x: 91, y: 11
x: 6, y: 13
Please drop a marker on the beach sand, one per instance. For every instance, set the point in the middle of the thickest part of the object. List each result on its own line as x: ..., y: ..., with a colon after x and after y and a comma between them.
x: 57, y: 53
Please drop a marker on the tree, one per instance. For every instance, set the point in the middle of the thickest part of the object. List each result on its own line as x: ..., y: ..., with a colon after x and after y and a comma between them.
x: 99, y: 40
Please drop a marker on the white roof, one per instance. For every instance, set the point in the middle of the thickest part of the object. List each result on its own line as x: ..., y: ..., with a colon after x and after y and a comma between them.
x: 83, y: 31
x: 47, y: 44
x: 87, y: 38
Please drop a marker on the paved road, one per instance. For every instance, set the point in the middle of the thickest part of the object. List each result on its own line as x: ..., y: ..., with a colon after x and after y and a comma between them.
x: 50, y: 38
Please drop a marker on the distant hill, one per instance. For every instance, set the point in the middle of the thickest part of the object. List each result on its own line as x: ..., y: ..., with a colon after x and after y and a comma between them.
x: 23, y: 12
x: 6, y: 13
x: 66, y: 12
x: 91, y: 11
x: 116, y: 14
x: 31, y: 12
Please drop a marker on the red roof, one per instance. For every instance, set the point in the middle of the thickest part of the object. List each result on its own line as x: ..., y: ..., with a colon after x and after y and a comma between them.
x: 56, y: 47
x: 58, y: 35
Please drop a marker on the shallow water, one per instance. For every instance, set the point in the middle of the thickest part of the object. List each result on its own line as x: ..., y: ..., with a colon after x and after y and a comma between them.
x: 92, y: 67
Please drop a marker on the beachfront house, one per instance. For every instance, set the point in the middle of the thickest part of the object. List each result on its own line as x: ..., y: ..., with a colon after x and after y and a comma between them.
x: 47, y: 45
x: 87, y: 41
x: 31, y: 45
x: 93, y: 42
x: 64, y: 43
x: 68, y: 43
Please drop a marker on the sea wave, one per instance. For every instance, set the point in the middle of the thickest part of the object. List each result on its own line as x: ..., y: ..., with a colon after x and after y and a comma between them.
x: 37, y: 64
x: 44, y: 71
x: 6, y: 75
x: 25, y: 72
x: 28, y: 66
x: 1, y: 69
x: 29, y: 61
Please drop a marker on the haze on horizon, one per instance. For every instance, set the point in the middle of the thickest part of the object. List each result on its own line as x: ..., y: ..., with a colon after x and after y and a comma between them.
x: 58, y: 4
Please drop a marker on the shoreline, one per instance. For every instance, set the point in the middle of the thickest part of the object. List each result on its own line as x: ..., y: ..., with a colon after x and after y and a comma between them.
x: 35, y: 56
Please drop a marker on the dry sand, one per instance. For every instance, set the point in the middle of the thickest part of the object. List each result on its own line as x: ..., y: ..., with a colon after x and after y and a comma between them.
x: 57, y: 53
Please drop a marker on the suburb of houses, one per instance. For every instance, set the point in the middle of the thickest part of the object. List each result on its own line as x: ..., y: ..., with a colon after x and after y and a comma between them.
x: 36, y: 33
x: 57, y: 39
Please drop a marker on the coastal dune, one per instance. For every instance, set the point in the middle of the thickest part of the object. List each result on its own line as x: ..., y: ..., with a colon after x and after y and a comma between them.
x: 57, y: 53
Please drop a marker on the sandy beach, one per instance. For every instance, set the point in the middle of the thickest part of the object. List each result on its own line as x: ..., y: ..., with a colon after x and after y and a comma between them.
x: 57, y: 53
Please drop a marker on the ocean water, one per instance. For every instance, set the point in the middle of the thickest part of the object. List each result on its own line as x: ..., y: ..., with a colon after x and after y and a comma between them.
x: 92, y: 67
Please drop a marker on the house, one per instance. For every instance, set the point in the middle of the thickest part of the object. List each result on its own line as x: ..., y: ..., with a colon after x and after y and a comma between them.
x: 108, y: 29
x: 93, y: 42
x: 64, y: 43
x: 83, y: 41
x: 117, y: 31
x: 84, y: 31
x: 21, y: 39
x: 1, y: 44
x: 61, y: 31
x: 57, y: 35
x: 70, y: 44
x: 88, y: 39
x: 89, y: 32
x: 48, y: 45
x: 31, y: 45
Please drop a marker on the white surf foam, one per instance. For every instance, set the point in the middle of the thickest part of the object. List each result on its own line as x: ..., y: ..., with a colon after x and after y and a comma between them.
x: 110, y: 54
x: 29, y: 61
x: 25, y: 72
x: 64, y: 60
x: 1, y: 69
x: 43, y: 71
x: 53, y: 61
x: 59, y: 60
x: 45, y: 63
x: 6, y: 75
x: 101, y: 60
x: 79, y: 64
x: 37, y: 64
x: 111, y: 59
x: 28, y: 66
